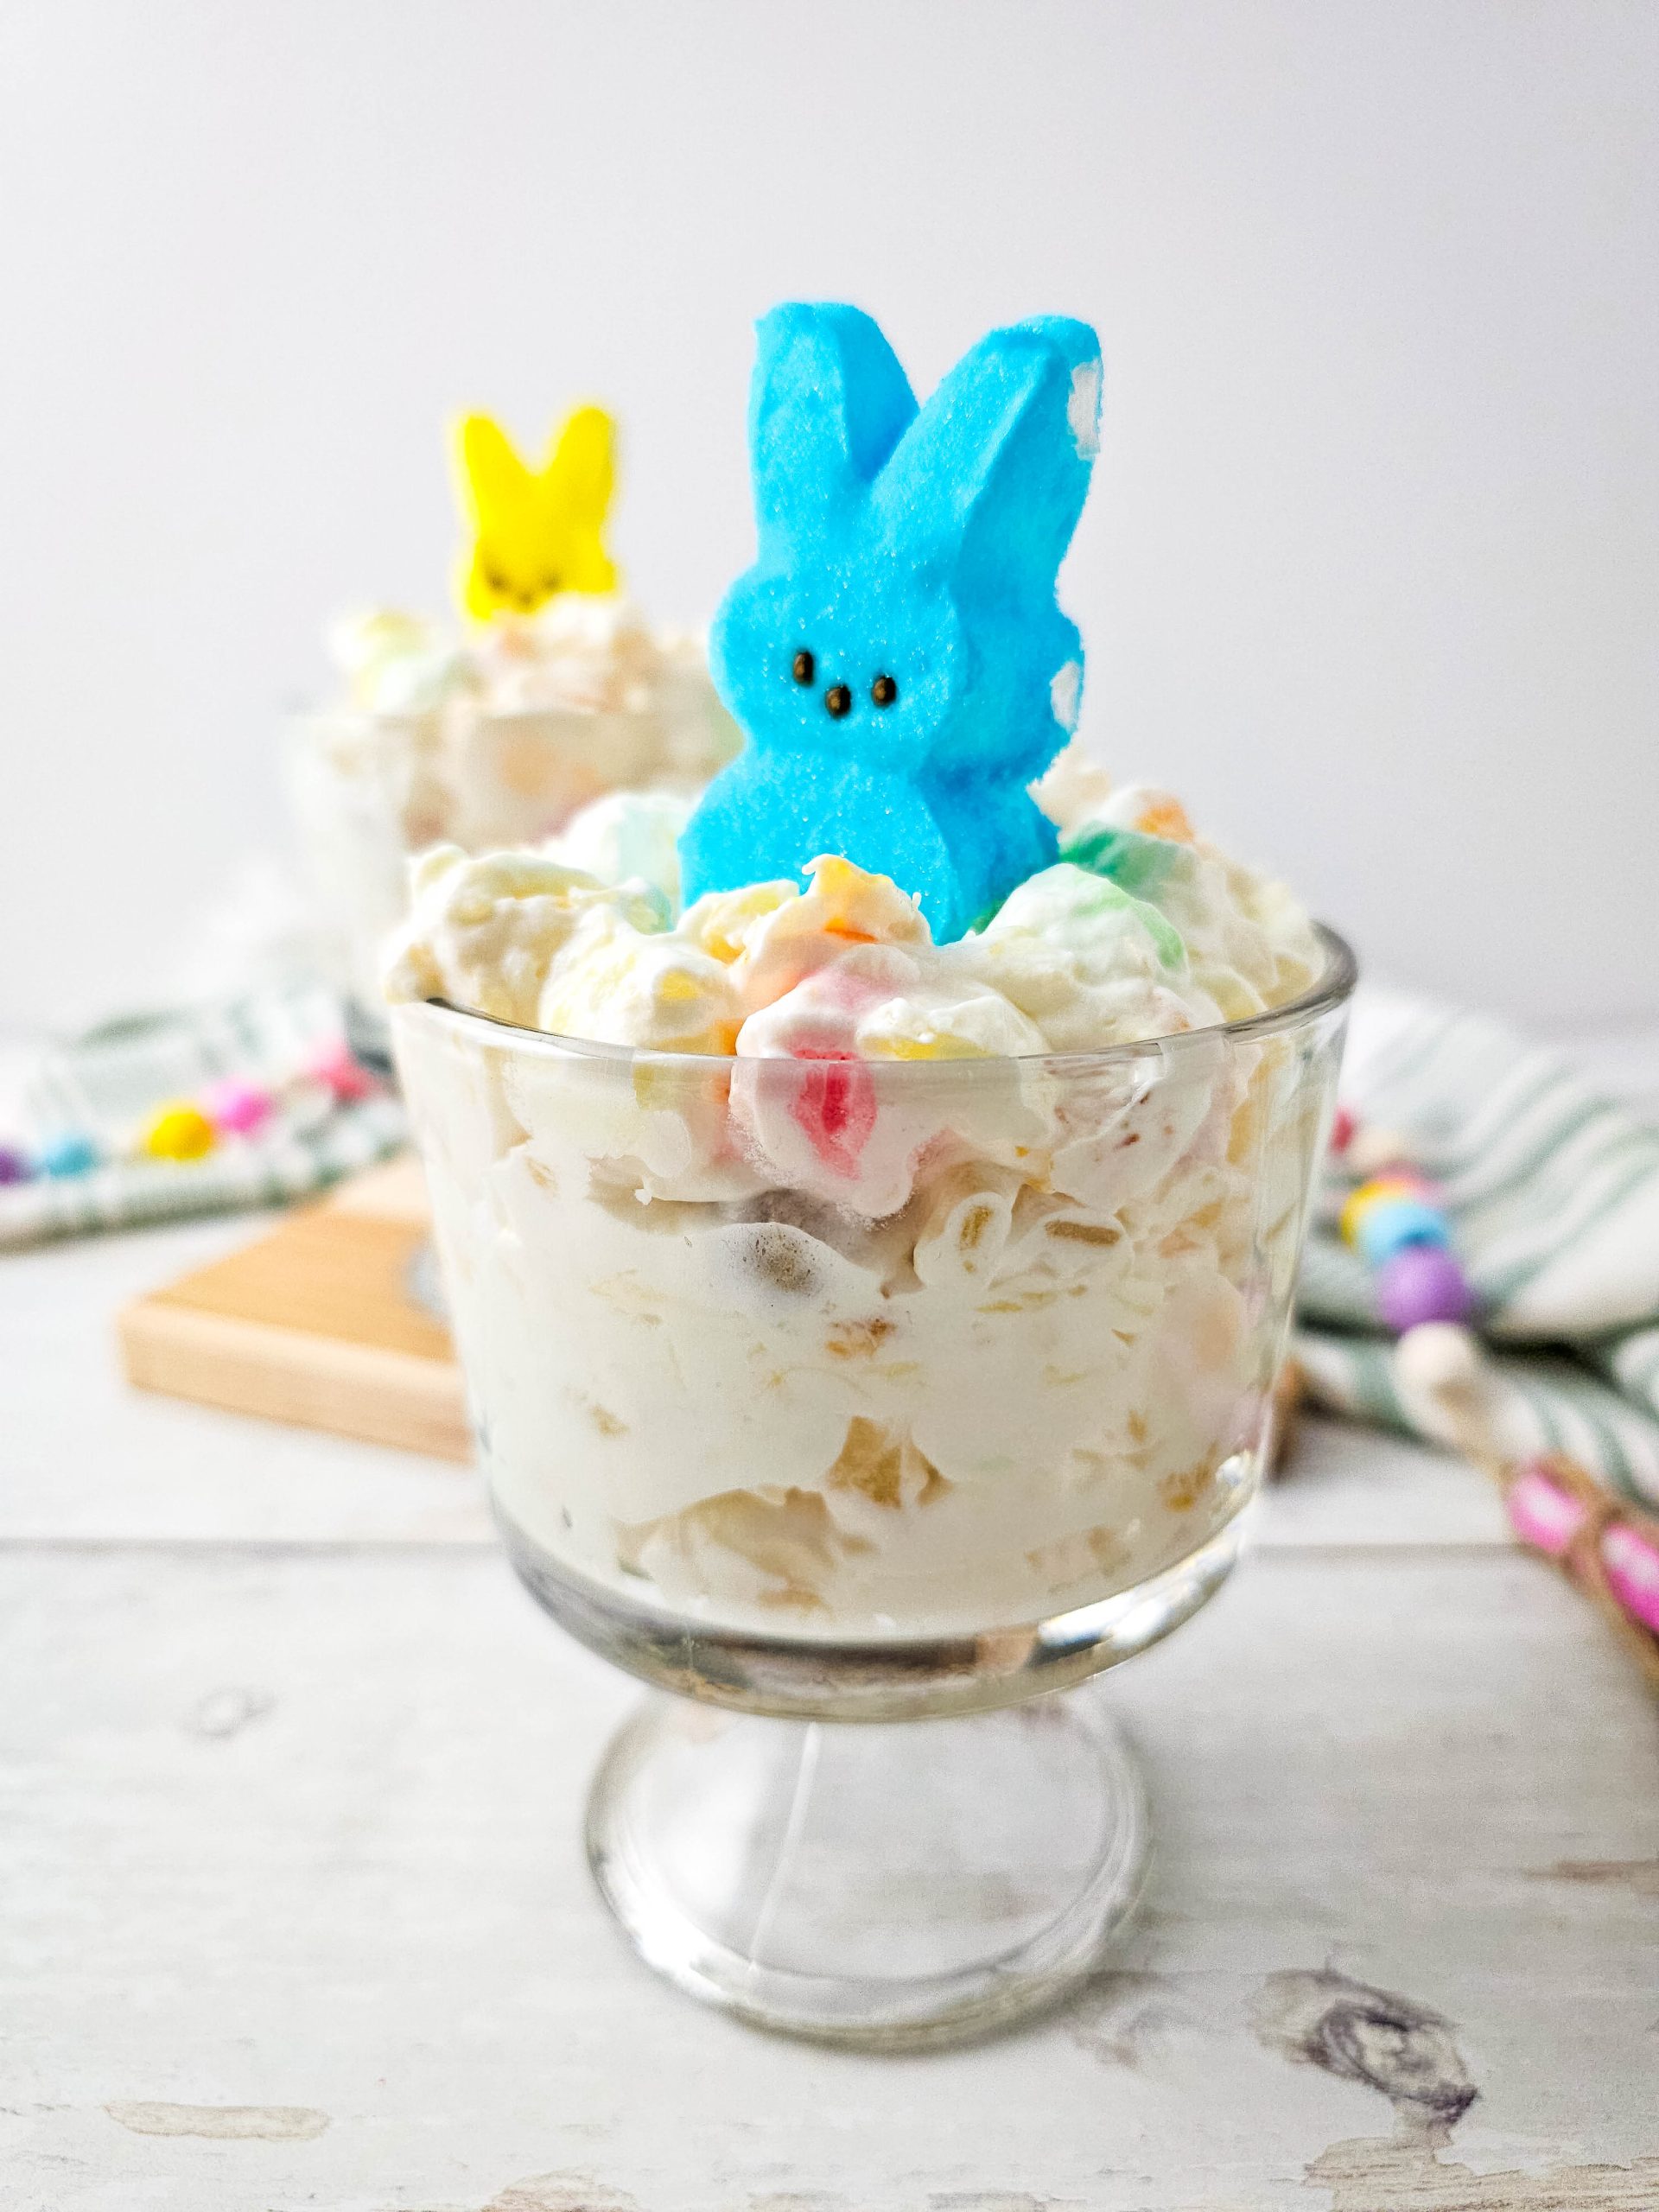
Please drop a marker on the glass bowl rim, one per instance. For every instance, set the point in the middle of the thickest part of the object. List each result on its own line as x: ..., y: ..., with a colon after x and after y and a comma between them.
x: 1331, y: 989
x: 395, y: 722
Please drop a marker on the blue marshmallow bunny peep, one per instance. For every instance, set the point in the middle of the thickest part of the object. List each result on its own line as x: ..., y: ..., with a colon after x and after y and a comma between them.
x: 895, y: 655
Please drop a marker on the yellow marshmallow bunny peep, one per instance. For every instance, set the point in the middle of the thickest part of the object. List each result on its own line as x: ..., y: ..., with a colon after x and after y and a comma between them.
x: 535, y: 531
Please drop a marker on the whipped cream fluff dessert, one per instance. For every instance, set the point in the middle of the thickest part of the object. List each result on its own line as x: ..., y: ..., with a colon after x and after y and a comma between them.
x: 757, y: 1324
x: 873, y: 1214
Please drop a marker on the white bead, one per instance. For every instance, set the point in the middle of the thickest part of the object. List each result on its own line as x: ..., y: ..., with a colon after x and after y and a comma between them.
x: 1371, y: 1152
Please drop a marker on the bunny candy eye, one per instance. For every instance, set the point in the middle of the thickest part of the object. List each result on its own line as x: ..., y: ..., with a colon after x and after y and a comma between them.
x: 839, y: 700
x: 804, y: 667
x: 884, y: 690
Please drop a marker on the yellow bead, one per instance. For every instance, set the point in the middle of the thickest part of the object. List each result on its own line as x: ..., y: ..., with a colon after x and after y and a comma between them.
x: 1359, y: 1202
x: 179, y: 1131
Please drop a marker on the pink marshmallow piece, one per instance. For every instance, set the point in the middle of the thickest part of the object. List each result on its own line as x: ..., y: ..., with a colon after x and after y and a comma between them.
x: 836, y: 1107
x: 237, y: 1108
x: 1541, y: 1513
x: 1631, y: 1562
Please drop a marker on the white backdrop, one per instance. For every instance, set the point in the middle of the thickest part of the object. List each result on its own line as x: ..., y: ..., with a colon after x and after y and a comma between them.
x: 1370, y: 569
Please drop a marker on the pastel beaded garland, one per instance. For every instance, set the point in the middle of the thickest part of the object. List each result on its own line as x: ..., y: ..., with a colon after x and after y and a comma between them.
x: 1554, y: 1505
x: 1378, y: 1191
x: 183, y: 1131
x: 1396, y: 1222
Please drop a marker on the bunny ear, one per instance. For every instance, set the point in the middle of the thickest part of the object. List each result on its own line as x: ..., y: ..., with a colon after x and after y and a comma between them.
x: 991, y: 476
x: 827, y: 406
x: 582, y: 465
x: 490, y: 471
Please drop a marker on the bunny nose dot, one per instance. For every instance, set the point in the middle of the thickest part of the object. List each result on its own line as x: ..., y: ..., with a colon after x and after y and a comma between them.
x: 884, y: 690
x: 805, y: 668
x: 839, y: 700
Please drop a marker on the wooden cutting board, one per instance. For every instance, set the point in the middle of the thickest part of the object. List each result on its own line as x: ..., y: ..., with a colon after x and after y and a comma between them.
x: 320, y: 1322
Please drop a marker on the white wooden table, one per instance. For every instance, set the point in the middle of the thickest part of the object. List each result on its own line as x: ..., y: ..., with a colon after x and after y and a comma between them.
x: 295, y: 1913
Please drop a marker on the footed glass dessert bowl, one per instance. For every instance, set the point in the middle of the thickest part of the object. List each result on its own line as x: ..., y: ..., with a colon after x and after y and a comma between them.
x: 860, y: 1406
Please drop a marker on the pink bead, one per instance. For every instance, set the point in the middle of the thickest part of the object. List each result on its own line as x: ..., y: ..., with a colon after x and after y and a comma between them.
x: 1423, y: 1282
x: 1541, y: 1513
x: 1631, y: 1562
x: 347, y: 1077
x: 237, y: 1108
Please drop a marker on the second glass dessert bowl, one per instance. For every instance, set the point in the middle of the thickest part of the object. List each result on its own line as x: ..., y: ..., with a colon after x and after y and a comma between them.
x: 859, y: 1404
x: 369, y: 788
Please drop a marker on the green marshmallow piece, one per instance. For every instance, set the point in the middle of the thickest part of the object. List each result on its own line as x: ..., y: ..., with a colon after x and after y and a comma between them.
x: 1130, y: 862
x: 1171, y: 944
x: 1129, y: 857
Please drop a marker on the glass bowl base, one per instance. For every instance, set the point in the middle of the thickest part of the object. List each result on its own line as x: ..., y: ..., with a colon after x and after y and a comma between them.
x: 884, y: 1885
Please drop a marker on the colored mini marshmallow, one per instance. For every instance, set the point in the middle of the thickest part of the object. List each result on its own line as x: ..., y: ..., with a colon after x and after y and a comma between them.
x: 895, y: 656
x: 15, y: 1165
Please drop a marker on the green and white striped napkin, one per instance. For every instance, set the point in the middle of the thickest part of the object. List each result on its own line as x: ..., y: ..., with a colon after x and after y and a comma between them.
x: 105, y: 1084
x: 1553, y: 1193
